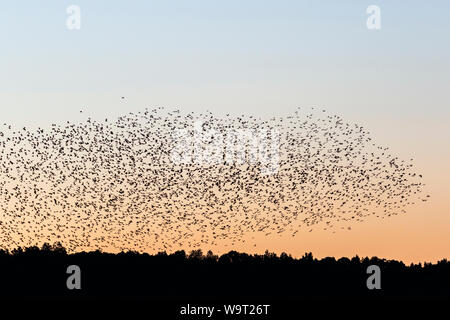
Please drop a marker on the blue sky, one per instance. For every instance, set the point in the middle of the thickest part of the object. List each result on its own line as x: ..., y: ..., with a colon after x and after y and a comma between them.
x: 259, y: 56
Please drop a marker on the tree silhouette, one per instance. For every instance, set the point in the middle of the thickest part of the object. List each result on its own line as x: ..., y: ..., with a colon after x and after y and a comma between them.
x: 41, y: 272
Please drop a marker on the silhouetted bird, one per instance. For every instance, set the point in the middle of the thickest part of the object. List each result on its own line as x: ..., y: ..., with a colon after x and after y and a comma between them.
x: 114, y: 184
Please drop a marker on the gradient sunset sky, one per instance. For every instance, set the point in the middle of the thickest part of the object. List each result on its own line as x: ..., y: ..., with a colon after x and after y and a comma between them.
x: 253, y: 57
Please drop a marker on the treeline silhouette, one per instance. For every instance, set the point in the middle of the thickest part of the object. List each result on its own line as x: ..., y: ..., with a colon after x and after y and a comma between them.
x: 41, y: 272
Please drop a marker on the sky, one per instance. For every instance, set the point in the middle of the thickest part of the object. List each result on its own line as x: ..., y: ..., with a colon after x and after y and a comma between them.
x: 252, y: 57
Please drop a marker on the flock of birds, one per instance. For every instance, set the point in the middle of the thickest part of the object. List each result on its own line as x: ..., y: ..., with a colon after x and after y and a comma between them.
x: 112, y: 185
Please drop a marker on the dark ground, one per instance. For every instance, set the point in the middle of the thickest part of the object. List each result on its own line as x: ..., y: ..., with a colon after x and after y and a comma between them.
x: 164, y: 283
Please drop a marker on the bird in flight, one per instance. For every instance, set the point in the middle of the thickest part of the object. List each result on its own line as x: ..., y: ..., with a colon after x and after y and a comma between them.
x: 114, y: 185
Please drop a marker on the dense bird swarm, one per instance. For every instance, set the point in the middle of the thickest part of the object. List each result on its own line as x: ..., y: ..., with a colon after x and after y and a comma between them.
x: 113, y: 185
